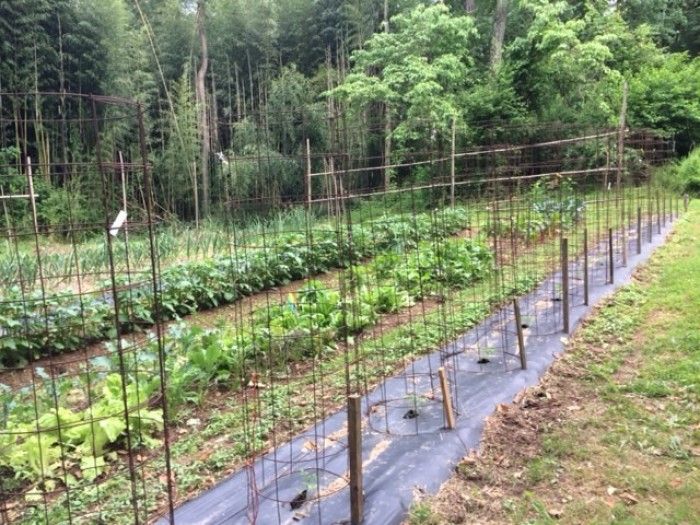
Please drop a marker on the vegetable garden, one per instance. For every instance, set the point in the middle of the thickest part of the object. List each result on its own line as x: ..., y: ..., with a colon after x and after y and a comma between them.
x: 142, y: 362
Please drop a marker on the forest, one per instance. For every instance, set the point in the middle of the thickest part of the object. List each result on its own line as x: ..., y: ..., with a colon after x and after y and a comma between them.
x: 224, y: 83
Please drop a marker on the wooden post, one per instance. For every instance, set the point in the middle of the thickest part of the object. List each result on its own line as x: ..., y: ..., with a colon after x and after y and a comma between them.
x: 639, y: 230
x: 452, y: 162
x: 663, y: 211
x: 658, y: 212
x: 124, y: 203
x: 650, y: 218
x: 565, y: 282
x: 678, y: 207
x: 195, y: 193
x: 620, y: 169
x: 685, y: 203
x: 308, y: 173
x: 611, y: 256
x: 521, y: 338
x: 585, y: 267
x: 446, y: 399
x: 32, y: 195
x: 355, y: 452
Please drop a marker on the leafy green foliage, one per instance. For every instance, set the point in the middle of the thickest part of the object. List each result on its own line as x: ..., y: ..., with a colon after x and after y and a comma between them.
x: 75, y: 443
x: 39, y: 324
x: 420, y: 70
x: 664, y: 96
x: 547, y: 212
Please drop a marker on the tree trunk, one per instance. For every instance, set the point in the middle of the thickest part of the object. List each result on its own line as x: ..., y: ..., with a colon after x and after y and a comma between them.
x: 202, y: 112
x: 500, y: 17
x: 470, y: 6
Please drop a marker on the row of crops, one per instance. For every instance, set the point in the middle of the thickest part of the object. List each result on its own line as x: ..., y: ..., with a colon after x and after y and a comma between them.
x: 61, y: 260
x: 76, y: 438
x: 38, y: 324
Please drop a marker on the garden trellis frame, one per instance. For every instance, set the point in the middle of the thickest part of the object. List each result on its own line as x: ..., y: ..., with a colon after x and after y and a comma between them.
x: 165, y: 369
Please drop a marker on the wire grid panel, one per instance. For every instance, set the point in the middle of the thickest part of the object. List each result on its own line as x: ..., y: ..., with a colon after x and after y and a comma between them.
x: 172, y: 355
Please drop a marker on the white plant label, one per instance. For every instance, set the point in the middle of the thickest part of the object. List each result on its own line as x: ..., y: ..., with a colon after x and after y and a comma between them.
x: 118, y: 223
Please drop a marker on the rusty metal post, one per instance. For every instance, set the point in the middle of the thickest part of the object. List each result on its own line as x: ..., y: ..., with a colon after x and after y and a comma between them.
x: 355, y: 457
x: 521, y: 337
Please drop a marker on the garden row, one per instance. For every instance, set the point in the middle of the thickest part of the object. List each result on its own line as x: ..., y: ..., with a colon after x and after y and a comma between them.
x: 61, y: 261
x: 75, y: 438
x: 32, y: 326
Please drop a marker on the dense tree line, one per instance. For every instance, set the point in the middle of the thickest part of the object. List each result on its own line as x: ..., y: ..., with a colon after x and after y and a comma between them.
x: 226, y: 83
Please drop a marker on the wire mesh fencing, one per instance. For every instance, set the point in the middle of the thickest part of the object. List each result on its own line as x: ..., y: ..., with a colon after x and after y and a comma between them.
x: 149, y: 353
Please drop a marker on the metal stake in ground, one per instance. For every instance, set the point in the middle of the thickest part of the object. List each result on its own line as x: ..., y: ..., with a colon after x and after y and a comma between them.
x: 565, y: 282
x: 521, y: 338
x: 355, y: 452
x: 446, y: 399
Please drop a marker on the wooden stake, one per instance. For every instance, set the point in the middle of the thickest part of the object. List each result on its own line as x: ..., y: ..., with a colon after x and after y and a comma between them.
x: 521, y: 338
x: 355, y: 456
x: 685, y: 203
x: 123, y: 174
x: 446, y: 399
x: 585, y: 267
x: 663, y: 211
x: 308, y: 173
x: 565, y: 282
x: 452, y: 162
x: 32, y: 196
x: 639, y: 230
x: 611, y: 256
x: 620, y: 169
